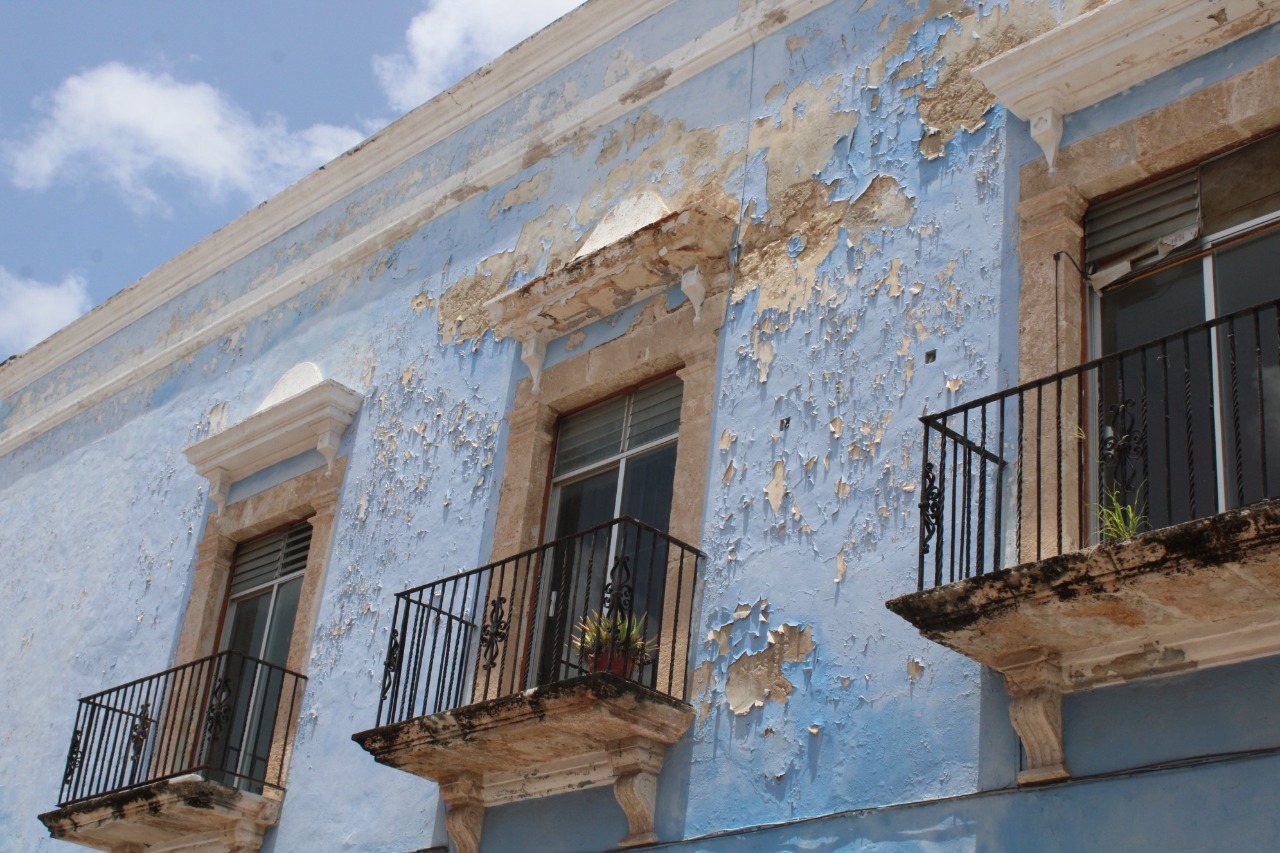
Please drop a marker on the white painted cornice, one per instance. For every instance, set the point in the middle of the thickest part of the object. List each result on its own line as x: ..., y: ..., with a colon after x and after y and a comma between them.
x: 314, y: 419
x: 573, y: 36
x: 1110, y: 49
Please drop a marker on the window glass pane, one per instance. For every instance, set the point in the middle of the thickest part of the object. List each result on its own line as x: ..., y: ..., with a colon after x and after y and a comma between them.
x: 1247, y: 274
x: 655, y: 412
x: 1161, y: 397
x: 586, y: 502
x: 1241, y: 186
x: 646, y: 495
x: 1159, y: 304
x: 249, y: 624
x: 590, y: 435
x: 280, y: 631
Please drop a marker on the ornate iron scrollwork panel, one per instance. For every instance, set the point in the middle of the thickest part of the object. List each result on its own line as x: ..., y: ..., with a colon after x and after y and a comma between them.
x: 494, y: 631
x: 138, y: 733
x: 1121, y: 445
x: 219, y: 712
x: 74, y: 757
x: 619, y: 592
x: 391, y: 665
x: 930, y: 507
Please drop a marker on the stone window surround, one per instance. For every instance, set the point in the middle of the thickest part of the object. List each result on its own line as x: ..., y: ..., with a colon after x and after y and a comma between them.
x: 673, y: 342
x: 1051, y: 211
x: 312, y: 497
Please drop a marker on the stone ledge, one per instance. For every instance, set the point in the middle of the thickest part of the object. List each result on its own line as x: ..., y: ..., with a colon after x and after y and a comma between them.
x: 582, y: 733
x: 171, y: 814
x: 1201, y: 593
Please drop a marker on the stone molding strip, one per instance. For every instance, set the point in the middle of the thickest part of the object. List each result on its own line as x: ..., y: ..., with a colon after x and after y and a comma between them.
x: 312, y: 420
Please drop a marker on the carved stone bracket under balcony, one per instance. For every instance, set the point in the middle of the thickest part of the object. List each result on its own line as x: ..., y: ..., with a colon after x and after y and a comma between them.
x: 185, y: 813
x: 586, y: 732
x: 1197, y: 594
x: 630, y: 259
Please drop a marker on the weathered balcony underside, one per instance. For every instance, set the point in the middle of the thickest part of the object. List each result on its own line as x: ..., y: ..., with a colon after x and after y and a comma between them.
x: 581, y: 733
x: 185, y: 813
x: 1196, y: 594
x: 1201, y: 593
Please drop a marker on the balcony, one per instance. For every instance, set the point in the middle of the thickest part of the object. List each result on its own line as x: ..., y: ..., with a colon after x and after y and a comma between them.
x: 193, y: 755
x: 490, y: 691
x: 1118, y: 520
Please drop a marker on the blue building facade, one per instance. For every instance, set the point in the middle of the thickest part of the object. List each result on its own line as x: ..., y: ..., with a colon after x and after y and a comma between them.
x: 750, y: 243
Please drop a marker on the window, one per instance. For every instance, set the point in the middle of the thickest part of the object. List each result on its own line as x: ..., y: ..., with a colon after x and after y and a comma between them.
x: 266, y: 584
x: 1203, y: 403
x: 614, y: 459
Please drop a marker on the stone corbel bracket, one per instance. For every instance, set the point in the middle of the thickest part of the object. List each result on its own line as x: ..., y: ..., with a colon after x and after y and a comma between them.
x: 688, y: 249
x: 1035, y: 683
x: 1108, y: 50
x: 314, y: 419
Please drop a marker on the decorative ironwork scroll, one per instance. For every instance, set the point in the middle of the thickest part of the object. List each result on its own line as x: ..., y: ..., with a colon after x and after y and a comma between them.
x: 1120, y: 447
x: 391, y: 665
x: 74, y: 757
x: 219, y: 708
x: 619, y: 592
x: 930, y: 507
x: 139, y: 731
x: 494, y: 631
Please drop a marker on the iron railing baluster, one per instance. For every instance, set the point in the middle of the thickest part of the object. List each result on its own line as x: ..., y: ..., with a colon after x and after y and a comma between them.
x: 1128, y: 422
x: 500, y: 629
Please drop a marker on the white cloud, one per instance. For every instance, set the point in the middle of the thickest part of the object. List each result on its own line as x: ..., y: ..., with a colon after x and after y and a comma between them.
x: 454, y: 37
x: 126, y: 127
x: 31, y: 311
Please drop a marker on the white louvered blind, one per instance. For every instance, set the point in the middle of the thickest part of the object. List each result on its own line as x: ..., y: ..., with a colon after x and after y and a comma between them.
x: 618, y: 425
x: 267, y: 558
x: 1141, y: 227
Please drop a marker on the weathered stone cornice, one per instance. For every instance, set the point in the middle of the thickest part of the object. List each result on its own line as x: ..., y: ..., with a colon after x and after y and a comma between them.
x: 689, y: 249
x: 1112, y: 48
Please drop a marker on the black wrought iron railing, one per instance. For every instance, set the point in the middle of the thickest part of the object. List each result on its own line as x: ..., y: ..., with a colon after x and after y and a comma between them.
x: 227, y: 718
x: 1180, y: 428
x: 519, y: 623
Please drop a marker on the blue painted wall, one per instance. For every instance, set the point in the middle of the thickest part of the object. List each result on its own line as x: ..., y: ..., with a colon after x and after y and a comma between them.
x: 870, y: 237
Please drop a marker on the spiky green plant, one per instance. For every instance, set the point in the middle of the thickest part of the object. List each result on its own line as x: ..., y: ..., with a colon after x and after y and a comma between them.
x: 1119, y: 519
x: 613, y: 634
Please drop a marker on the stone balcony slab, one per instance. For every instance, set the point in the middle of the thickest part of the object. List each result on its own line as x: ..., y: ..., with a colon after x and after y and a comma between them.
x: 1197, y: 594
x: 581, y: 733
x: 185, y: 813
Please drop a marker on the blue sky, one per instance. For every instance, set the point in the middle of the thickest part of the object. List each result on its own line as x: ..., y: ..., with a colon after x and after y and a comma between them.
x: 130, y: 130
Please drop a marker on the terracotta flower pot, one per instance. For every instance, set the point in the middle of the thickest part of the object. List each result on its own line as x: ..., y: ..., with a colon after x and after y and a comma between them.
x: 614, y: 662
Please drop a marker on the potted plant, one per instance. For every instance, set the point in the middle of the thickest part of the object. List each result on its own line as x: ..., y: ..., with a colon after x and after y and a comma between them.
x: 613, y: 643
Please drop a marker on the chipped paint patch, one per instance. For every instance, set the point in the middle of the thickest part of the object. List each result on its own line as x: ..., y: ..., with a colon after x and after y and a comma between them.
x: 754, y: 679
x: 522, y: 193
x: 777, y: 487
